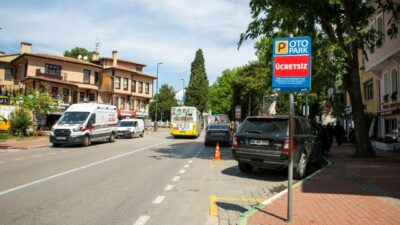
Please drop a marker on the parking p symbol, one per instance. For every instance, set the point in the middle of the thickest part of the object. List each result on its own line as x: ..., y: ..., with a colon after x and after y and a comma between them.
x: 281, y: 47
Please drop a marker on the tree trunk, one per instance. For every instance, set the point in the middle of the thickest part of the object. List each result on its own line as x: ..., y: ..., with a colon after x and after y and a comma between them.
x: 363, y: 143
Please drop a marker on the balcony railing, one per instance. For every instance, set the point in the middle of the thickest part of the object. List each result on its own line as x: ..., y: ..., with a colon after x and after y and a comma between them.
x: 40, y: 73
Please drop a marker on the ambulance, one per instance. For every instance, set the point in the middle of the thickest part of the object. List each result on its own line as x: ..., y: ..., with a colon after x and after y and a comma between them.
x: 84, y: 123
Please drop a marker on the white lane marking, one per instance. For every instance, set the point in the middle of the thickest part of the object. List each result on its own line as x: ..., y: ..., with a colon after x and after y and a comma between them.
x: 186, y: 166
x: 76, y: 169
x: 37, y: 156
x: 142, y: 220
x: 194, y: 158
x: 159, y: 199
x: 168, y: 187
x: 52, y: 153
x: 64, y: 151
x: 190, y: 161
x: 19, y: 159
x: 176, y: 178
x: 1, y: 162
x: 182, y: 171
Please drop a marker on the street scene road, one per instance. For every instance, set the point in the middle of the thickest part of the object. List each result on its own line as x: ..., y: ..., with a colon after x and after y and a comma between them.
x: 152, y: 180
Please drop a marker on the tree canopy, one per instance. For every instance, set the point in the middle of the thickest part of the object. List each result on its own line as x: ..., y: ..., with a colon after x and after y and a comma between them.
x: 166, y: 100
x: 197, y: 91
x: 75, y: 52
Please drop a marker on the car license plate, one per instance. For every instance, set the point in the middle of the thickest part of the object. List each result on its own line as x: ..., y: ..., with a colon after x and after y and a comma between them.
x: 61, y: 138
x: 258, y: 142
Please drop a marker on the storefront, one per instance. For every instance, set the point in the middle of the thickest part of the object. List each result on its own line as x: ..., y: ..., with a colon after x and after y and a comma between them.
x: 389, y: 122
x: 125, y: 114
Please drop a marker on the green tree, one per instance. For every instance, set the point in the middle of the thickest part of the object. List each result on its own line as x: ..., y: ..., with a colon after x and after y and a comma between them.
x: 78, y: 51
x: 220, y: 99
x: 343, y: 24
x: 197, y: 91
x: 166, y: 100
x: 20, y: 121
x: 38, y: 102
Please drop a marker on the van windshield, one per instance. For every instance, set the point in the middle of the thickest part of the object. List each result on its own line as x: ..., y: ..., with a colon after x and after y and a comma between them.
x: 73, y: 117
x: 127, y: 123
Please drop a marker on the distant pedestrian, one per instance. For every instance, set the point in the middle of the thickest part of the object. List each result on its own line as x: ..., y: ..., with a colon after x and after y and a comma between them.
x: 339, y: 133
x: 330, y: 133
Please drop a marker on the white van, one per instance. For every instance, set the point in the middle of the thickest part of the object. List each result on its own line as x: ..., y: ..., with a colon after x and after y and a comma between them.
x: 131, y: 128
x: 84, y: 123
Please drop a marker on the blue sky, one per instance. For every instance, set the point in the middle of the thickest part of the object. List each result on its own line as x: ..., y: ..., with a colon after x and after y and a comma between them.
x: 145, y: 31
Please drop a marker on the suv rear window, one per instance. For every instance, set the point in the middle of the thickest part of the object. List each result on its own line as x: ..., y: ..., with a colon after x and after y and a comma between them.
x: 278, y: 127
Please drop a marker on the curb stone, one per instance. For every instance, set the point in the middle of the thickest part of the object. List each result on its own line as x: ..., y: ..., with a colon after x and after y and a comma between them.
x: 243, y: 217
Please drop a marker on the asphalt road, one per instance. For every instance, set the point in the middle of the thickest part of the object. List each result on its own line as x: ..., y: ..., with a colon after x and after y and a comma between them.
x: 151, y: 180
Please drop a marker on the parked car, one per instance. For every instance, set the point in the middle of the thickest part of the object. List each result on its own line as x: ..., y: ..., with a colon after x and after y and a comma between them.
x: 5, y: 125
x: 84, y: 123
x: 263, y: 141
x: 131, y: 128
x: 218, y: 133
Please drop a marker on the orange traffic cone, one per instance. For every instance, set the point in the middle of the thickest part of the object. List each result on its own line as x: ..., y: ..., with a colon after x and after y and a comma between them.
x: 217, y: 155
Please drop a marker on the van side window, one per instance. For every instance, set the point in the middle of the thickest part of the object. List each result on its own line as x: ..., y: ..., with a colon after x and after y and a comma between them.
x: 92, y: 120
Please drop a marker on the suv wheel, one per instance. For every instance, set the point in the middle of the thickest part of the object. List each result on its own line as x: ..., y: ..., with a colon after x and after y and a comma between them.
x: 86, y: 141
x: 300, y: 171
x: 245, y: 167
x: 142, y: 134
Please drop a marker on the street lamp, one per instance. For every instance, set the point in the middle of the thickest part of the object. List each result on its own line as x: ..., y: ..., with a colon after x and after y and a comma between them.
x: 156, y: 125
x: 183, y: 91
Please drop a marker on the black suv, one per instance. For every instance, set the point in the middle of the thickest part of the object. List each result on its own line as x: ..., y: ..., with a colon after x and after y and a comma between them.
x: 263, y: 141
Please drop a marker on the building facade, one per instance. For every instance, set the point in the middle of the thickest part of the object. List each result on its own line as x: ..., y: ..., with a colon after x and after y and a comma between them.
x: 69, y: 80
x: 383, y: 63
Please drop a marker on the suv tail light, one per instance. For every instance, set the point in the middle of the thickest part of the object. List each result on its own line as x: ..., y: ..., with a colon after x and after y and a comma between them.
x: 235, y: 142
x: 285, y: 146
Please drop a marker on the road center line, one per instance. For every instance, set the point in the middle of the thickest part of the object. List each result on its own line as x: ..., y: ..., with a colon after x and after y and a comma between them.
x: 176, y: 178
x: 19, y: 159
x: 76, y: 169
x: 37, y: 156
x: 182, y: 171
x: 1, y: 162
x: 142, y: 220
x: 52, y: 153
x: 168, y: 187
x: 186, y: 166
x: 190, y: 161
x: 159, y: 199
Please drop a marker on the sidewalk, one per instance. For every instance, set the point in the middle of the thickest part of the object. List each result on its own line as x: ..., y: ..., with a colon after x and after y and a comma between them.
x: 25, y: 144
x: 350, y: 191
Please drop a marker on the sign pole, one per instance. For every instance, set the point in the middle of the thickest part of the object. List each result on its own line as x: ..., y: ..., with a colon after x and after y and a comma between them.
x: 290, y: 158
x: 306, y: 114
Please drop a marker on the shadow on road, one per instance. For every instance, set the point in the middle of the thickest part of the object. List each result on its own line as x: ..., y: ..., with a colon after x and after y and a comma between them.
x: 232, y: 207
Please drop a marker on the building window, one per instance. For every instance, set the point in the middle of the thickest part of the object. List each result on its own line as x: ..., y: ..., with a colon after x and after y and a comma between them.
x: 81, y: 96
x: 140, y: 87
x: 368, y: 90
x: 96, y: 78
x: 125, y: 84
x: 132, y: 104
x: 139, y: 69
x: 387, y: 83
x: 8, y: 74
x: 91, y: 97
x: 118, y: 82
x: 66, y: 95
x: 390, y: 126
x: 116, y: 101
x: 53, y: 70
x: 133, y: 85
x: 122, y: 105
x: 380, y: 24
x: 147, y: 85
x: 86, y: 76
x: 54, y: 92
x: 395, y: 82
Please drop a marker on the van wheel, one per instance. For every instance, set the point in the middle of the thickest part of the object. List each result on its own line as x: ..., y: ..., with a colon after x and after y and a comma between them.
x: 245, y: 167
x: 300, y: 171
x: 142, y: 134
x: 86, y: 141
x: 111, y: 138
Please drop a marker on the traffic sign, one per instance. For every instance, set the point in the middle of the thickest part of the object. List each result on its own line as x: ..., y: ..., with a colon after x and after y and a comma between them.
x: 238, y: 112
x: 291, y: 64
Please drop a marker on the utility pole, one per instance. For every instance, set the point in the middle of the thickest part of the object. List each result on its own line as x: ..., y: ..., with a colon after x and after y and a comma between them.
x: 156, y: 125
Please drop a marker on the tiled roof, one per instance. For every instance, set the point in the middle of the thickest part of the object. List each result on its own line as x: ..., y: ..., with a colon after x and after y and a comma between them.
x: 50, y: 80
x: 59, y: 58
x: 129, y: 70
x: 123, y: 60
